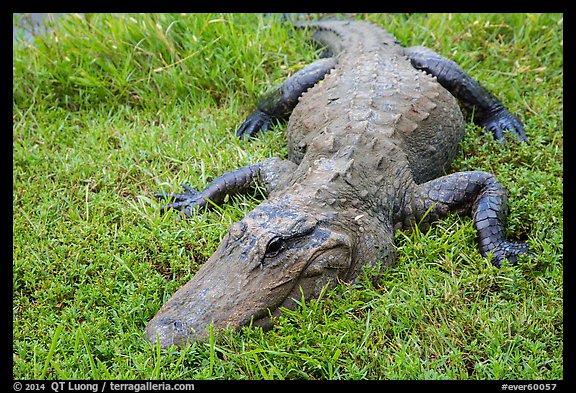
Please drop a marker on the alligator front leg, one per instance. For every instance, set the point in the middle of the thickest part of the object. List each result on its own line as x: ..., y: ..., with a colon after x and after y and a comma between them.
x: 278, y: 103
x: 271, y: 173
x: 489, y: 112
x: 476, y: 193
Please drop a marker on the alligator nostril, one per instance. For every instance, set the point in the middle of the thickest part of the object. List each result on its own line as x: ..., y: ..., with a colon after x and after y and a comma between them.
x: 177, y: 325
x: 167, y: 331
x: 168, y: 324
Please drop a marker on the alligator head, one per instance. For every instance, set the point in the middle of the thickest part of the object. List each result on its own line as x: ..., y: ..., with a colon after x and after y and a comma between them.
x: 264, y: 262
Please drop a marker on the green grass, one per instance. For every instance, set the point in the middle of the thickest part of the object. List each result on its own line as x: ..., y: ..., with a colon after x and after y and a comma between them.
x: 109, y: 109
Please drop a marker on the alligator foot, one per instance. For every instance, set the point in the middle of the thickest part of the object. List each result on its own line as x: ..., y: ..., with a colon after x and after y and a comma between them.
x: 476, y: 193
x: 501, y: 120
x: 257, y: 122
x: 278, y: 102
x: 238, y: 181
x: 508, y: 251
x: 489, y: 112
x: 186, y: 202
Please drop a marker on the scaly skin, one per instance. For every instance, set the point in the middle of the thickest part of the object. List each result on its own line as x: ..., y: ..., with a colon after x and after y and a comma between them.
x: 368, y: 148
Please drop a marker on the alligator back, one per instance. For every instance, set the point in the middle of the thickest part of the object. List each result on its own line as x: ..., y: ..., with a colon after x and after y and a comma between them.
x: 375, y: 92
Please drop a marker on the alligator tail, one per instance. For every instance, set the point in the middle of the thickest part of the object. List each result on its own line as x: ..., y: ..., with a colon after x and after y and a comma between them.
x: 339, y: 36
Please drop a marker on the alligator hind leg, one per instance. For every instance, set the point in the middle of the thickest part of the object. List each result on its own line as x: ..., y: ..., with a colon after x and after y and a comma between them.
x: 476, y: 193
x: 278, y: 102
x: 488, y: 110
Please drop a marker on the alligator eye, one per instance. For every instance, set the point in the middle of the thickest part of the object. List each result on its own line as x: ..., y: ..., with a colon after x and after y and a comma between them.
x: 274, y: 247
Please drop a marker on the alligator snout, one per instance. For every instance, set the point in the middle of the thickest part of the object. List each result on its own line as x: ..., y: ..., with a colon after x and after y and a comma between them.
x: 224, y: 293
x: 214, y: 296
x: 258, y: 268
x: 167, y: 331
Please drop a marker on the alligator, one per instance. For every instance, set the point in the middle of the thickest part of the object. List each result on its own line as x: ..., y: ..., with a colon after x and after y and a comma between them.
x: 372, y: 129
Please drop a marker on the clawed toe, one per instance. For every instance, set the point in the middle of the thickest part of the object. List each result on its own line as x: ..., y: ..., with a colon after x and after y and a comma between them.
x: 257, y: 122
x: 503, y: 121
x: 185, y: 202
x: 510, y: 252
